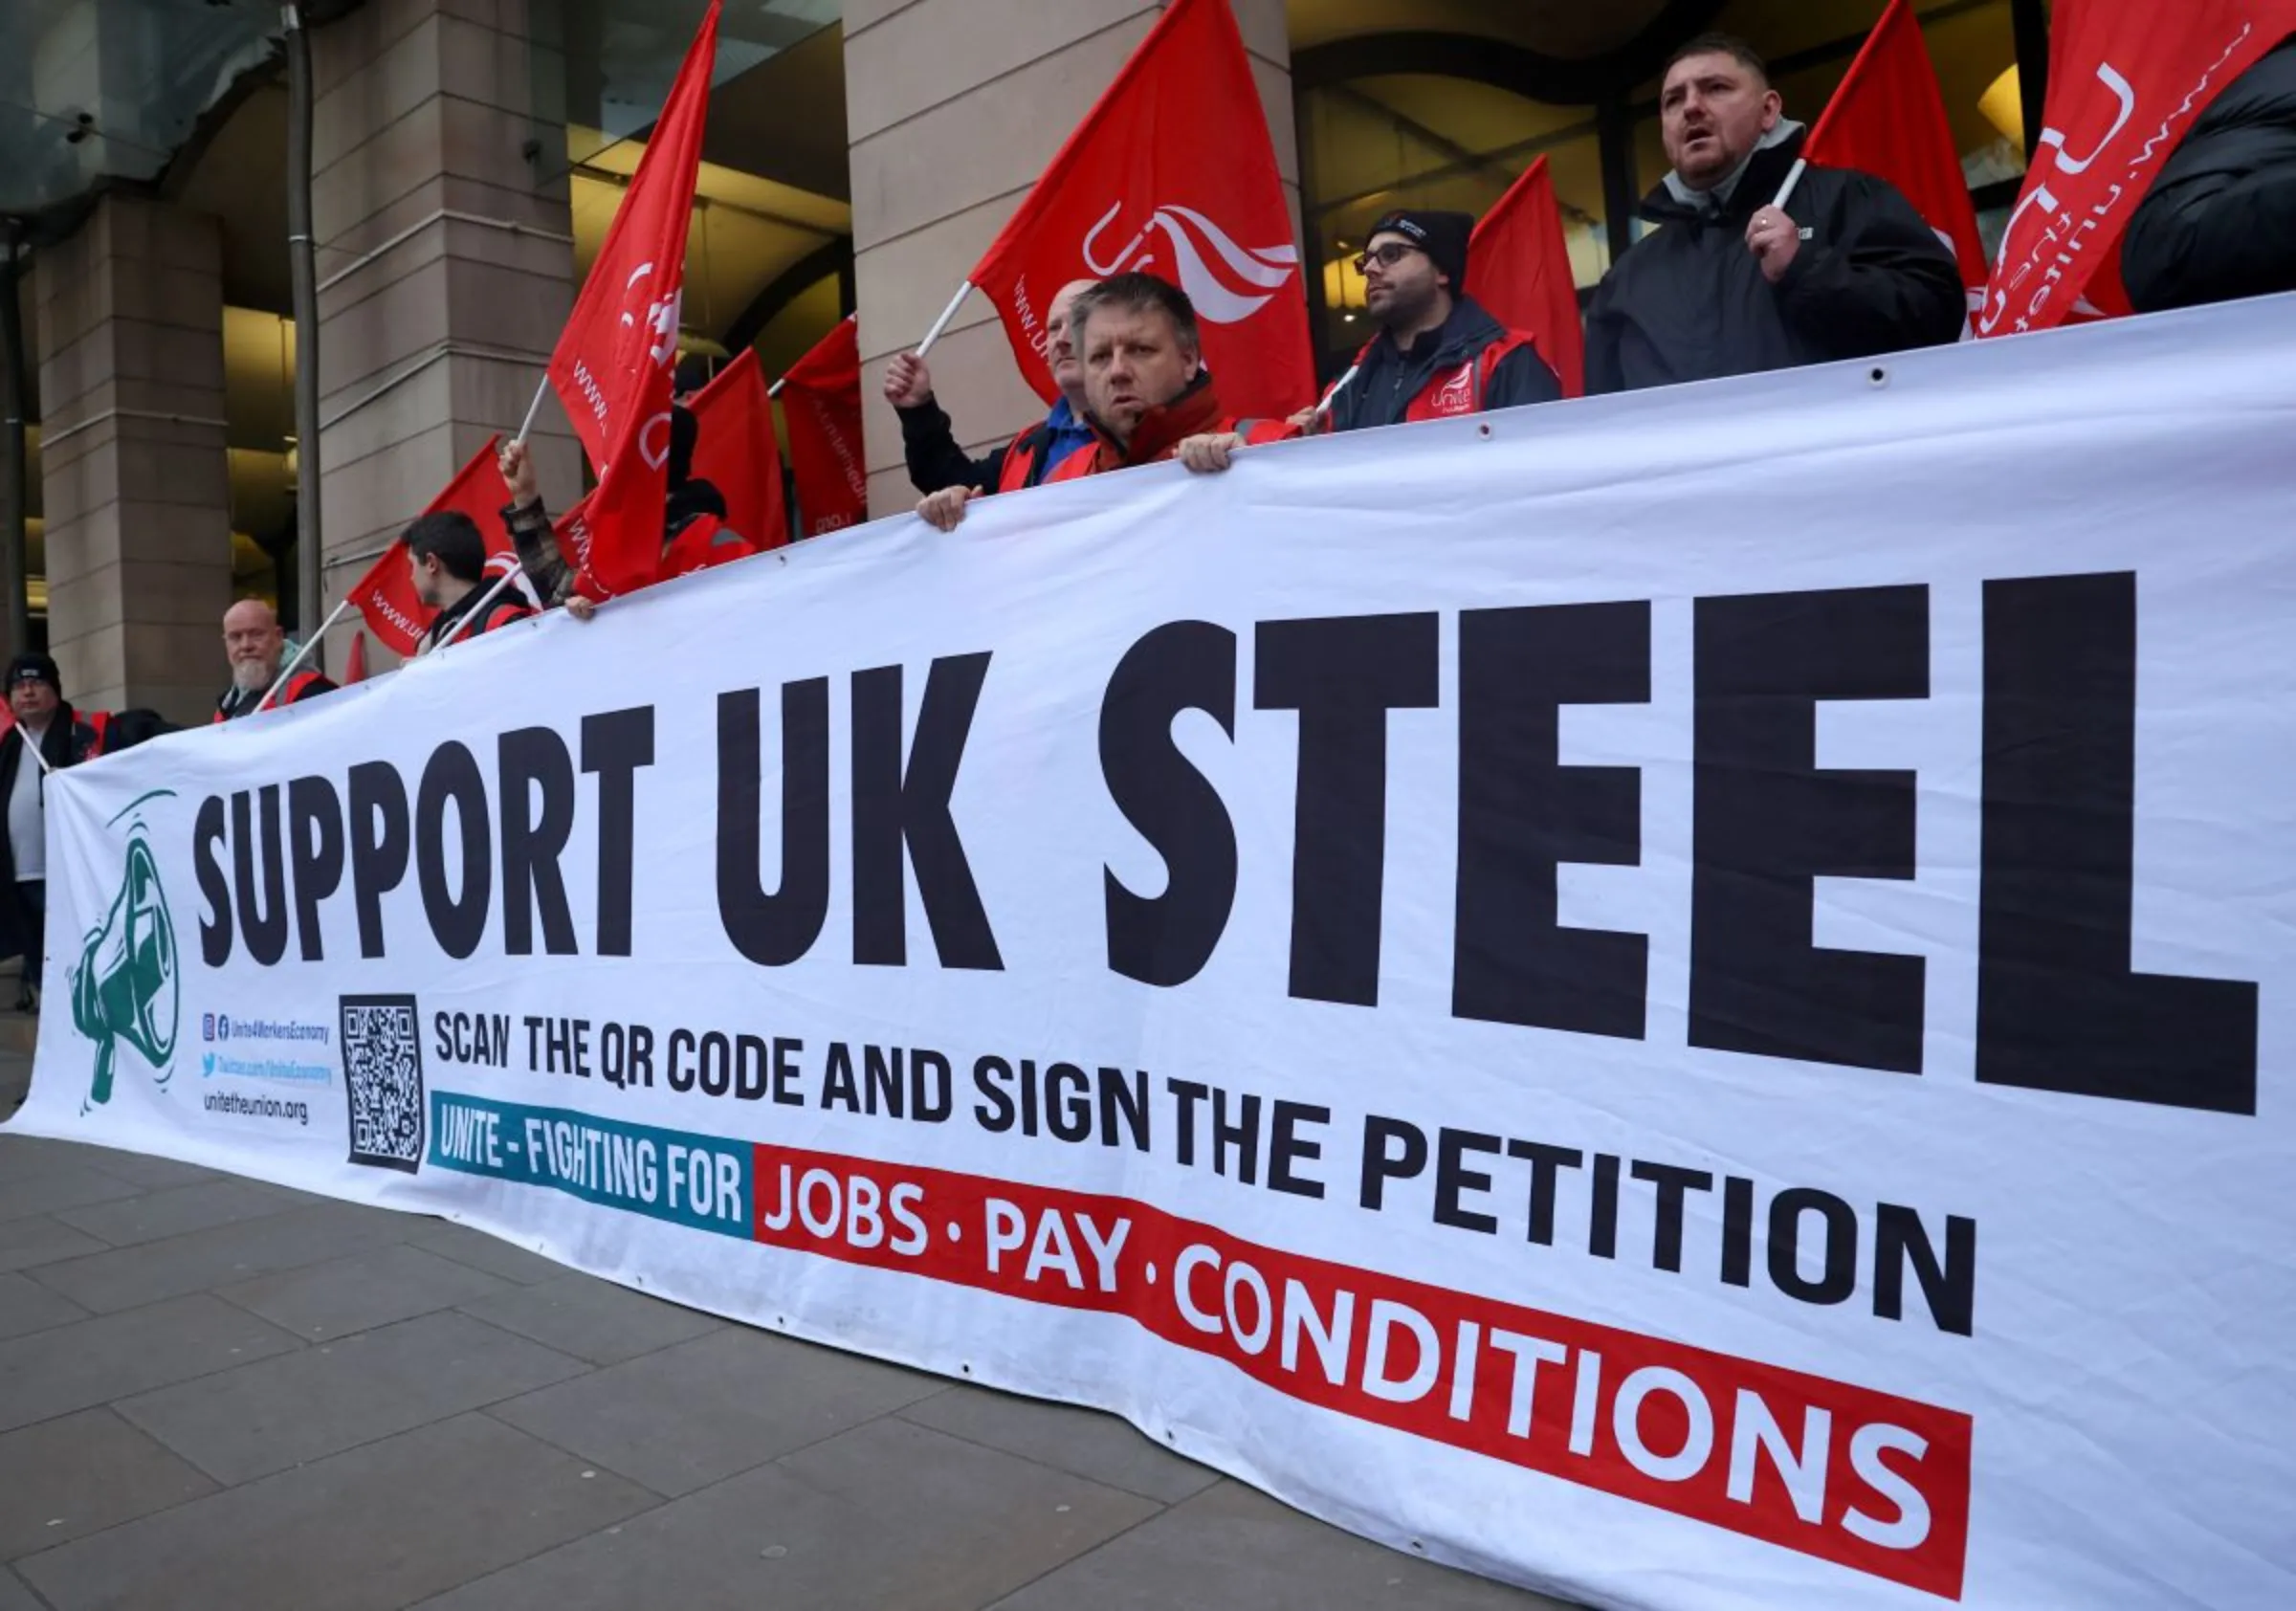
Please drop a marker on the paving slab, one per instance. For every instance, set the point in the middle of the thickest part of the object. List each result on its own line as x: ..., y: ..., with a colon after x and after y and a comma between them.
x: 370, y: 1530
x: 361, y: 1290
x: 27, y: 1306
x: 91, y: 1362
x: 262, y: 1417
x: 891, y: 1517
x: 686, y: 1417
x: 15, y: 1595
x: 1232, y: 1545
x: 592, y: 1319
x: 128, y: 1278
x: 30, y: 1183
x: 1088, y: 1443
x: 490, y: 1253
x: 176, y: 1211
x: 77, y: 1474
x: 137, y: 1169
x: 38, y: 1239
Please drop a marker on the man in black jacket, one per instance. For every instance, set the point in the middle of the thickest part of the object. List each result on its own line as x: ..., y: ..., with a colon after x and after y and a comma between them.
x: 1438, y: 353
x: 35, y: 699
x: 929, y: 442
x: 1733, y: 283
x: 446, y: 555
x: 2221, y: 220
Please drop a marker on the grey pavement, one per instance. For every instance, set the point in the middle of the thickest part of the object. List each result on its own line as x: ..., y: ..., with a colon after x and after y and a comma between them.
x: 218, y: 1393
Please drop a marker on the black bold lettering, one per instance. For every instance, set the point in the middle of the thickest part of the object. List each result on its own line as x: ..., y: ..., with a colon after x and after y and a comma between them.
x: 206, y: 841
x: 315, y: 846
x: 1839, y: 1275
x: 1671, y: 1180
x: 615, y: 745
x: 1452, y: 1177
x: 2059, y: 1007
x: 532, y: 841
x: 263, y: 923
x: 1183, y: 666
x: 897, y: 806
x: 379, y: 846
x: 774, y: 930
x: 1766, y: 822
x: 1947, y: 1286
x: 1342, y: 675
x: 457, y: 918
x: 1522, y: 813
x: 1384, y: 1162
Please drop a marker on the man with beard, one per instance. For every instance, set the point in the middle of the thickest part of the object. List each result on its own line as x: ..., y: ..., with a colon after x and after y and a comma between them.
x: 255, y: 646
x: 1733, y: 283
x: 1438, y: 353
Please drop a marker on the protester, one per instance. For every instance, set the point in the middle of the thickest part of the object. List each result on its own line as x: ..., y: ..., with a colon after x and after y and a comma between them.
x: 929, y: 442
x: 695, y: 534
x: 2221, y: 220
x: 1733, y: 283
x: 1147, y: 393
x: 35, y: 699
x: 255, y: 647
x: 1437, y: 352
x: 446, y: 555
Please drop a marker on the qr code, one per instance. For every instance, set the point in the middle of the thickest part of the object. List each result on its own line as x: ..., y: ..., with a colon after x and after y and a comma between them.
x: 382, y: 1072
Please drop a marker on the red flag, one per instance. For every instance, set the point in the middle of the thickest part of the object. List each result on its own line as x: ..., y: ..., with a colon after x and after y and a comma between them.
x: 2126, y: 81
x: 1171, y: 173
x: 612, y: 366
x: 821, y: 404
x: 1519, y: 269
x: 1888, y: 119
x: 386, y: 594
x: 734, y: 450
x: 354, y: 664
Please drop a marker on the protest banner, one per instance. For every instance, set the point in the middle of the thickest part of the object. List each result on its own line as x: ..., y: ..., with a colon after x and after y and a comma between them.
x: 1677, y: 998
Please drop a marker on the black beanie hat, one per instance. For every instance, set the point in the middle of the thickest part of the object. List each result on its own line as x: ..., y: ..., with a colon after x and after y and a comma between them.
x: 35, y: 667
x: 1441, y: 235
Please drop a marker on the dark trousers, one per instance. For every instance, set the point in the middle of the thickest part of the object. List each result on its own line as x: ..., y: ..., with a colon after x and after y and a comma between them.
x: 32, y: 894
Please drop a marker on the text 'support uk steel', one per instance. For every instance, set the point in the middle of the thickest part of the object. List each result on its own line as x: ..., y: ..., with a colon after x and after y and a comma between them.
x: 1682, y: 999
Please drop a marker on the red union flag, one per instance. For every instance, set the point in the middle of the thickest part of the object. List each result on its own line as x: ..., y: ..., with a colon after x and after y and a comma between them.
x: 1519, y: 268
x: 612, y: 364
x: 1171, y: 173
x: 821, y: 404
x: 1889, y: 120
x: 386, y: 594
x: 2126, y: 81
x: 734, y: 450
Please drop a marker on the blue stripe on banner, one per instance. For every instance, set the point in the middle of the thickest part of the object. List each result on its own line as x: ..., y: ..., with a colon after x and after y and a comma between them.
x: 694, y: 1181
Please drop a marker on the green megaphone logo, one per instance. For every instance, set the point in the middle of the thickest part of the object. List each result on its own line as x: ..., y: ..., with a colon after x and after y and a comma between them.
x: 125, y: 987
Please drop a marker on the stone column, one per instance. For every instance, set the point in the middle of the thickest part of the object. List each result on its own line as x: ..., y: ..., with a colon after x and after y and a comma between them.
x: 446, y: 261
x: 134, y: 480
x: 953, y: 108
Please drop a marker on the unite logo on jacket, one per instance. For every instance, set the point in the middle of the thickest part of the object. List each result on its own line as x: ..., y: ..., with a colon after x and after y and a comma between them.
x: 1455, y: 396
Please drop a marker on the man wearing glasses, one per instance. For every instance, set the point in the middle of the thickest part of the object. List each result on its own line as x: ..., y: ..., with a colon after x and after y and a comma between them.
x: 1438, y: 353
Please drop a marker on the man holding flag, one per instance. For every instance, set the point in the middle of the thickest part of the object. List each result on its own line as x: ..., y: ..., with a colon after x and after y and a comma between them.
x: 446, y: 563
x: 929, y: 443
x: 1438, y: 353
x: 1734, y: 282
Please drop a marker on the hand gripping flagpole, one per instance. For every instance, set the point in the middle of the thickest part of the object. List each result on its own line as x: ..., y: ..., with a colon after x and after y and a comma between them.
x: 1785, y: 192
x: 301, y: 655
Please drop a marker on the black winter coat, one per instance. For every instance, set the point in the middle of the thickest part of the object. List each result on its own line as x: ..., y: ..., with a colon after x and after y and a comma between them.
x: 1387, y: 378
x: 67, y: 742
x: 1690, y: 302
x: 2219, y: 221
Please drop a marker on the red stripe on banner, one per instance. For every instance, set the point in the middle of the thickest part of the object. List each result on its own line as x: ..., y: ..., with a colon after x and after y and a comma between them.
x: 1866, y: 1480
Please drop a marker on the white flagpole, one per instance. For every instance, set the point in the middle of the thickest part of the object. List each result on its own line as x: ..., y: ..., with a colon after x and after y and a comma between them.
x: 44, y: 768
x: 479, y: 609
x: 942, y: 322
x: 301, y: 654
x: 1785, y: 192
x: 534, y: 407
x: 1337, y: 386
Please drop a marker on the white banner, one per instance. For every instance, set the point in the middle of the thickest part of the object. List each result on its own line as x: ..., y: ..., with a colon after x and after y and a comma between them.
x: 1674, y: 999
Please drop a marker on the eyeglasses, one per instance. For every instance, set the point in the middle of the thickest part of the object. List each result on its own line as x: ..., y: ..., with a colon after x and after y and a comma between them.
x: 1386, y: 256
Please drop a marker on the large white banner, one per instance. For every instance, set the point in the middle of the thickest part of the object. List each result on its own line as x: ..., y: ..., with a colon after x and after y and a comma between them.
x: 1682, y: 999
